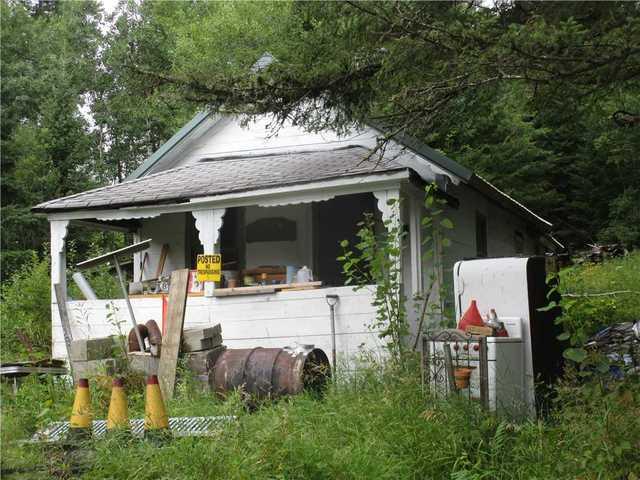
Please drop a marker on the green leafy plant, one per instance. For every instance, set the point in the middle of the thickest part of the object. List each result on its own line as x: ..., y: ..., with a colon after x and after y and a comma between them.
x: 374, y: 261
x: 434, y: 242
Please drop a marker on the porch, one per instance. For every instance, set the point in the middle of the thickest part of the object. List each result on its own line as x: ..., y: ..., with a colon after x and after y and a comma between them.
x: 253, y: 233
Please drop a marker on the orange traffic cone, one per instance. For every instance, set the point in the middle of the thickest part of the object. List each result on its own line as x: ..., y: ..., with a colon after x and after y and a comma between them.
x: 155, y: 415
x: 471, y: 317
x: 80, y: 421
x: 118, y: 417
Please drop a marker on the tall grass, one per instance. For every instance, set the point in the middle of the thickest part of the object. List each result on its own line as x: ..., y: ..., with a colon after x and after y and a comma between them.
x: 381, y: 427
x: 379, y: 424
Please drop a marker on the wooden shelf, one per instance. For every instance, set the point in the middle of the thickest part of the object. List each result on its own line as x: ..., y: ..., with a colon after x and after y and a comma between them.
x: 252, y: 290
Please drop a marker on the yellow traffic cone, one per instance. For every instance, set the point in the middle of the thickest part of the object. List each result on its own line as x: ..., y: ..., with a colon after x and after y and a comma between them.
x: 80, y: 421
x: 118, y: 416
x: 155, y: 415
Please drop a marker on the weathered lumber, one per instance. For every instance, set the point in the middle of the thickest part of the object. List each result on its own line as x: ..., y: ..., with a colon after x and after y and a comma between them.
x: 143, y: 362
x: 61, y: 299
x: 202, y: 363
x: 171, y: 341
x: 195, y: 340
x: 197, y: 333
x: 198, y: 345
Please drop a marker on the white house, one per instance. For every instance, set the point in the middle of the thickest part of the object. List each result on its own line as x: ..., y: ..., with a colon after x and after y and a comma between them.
x: 284, y: 200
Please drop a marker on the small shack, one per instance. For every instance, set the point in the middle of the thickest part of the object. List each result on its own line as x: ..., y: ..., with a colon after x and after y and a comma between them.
x: 271, y: 205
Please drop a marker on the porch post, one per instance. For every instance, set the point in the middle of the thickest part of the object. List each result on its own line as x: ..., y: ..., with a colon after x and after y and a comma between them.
x: 388, y: 202
x: 58, y: 255
x: 208, y: 224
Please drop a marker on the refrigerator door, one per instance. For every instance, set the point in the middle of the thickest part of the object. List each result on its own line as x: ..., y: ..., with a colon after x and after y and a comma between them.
x: 501, y: 284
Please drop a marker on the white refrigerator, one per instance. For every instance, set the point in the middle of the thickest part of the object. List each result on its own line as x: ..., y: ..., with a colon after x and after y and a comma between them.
x: 515, y: 288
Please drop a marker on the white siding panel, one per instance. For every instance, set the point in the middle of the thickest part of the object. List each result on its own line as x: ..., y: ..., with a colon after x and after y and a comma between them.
x: 270, y: 320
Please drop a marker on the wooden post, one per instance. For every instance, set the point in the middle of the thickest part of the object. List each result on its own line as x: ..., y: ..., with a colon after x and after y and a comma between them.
x: 61, y: 300
x: 173, y: 337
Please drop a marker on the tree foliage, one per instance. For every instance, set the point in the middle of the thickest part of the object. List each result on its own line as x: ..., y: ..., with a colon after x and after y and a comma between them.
x: 542, y: 99
x: 535, y: 96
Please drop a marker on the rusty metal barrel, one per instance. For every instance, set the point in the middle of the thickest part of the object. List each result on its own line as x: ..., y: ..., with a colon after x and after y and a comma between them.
x: 271, y: 372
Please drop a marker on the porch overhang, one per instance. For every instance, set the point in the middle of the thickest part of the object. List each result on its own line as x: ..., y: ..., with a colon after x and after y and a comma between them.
x: 264, y: 197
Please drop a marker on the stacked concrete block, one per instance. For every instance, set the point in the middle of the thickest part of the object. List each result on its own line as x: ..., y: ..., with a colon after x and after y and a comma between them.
x: 197, y: 340
x: 104, y: 356
x: 93, y: 356
x: 201, y: 349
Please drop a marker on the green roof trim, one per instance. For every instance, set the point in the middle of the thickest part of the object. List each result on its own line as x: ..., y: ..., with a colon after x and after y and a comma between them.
x: 168, y: 145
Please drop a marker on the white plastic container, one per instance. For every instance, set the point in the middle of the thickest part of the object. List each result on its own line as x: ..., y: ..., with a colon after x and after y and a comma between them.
x: 304, y: 275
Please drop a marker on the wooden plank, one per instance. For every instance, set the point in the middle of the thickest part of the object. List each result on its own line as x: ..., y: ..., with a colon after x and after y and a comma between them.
x: 198, y: 344
x: 61, y: 299
x: 252, y: 290
x: 199, y: 333
x: 171, y: 340
x: 93, y: 348
x: 229, y: 292
x: 480, y: 331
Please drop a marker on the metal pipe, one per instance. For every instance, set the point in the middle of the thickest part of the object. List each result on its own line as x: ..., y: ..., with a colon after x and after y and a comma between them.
x: 126, y: 298
x: 332, y: 300
x: 484, y: 374
x: 84, y: 286
x: 448, y: 366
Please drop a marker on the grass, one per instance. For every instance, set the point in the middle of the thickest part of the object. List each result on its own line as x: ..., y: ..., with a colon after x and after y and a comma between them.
x: 615, y: 275
x: 380, y: 426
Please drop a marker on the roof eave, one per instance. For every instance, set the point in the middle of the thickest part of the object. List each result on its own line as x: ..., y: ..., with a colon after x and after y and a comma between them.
x: 398, y: 174
x: 169, y: 145
x: 493, y: 192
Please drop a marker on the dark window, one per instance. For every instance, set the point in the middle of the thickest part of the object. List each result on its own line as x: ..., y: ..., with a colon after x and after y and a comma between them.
x: 481, y: 235
x: 336, y: 220
x: 275, y: 229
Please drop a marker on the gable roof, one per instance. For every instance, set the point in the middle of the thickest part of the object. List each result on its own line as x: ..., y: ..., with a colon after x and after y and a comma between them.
x: 226, y: 175
x: 198, y: 120
x: 173, y: 184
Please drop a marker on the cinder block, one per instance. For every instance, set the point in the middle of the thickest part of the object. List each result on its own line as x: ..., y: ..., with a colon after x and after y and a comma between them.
x: 93, y: 349
x: 202, y: 362
x: 144, y: 363
x: 195, y: 340
x: 93, y: 368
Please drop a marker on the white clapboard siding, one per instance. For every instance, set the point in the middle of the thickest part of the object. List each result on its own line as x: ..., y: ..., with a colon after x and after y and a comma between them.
x: 270, y: 320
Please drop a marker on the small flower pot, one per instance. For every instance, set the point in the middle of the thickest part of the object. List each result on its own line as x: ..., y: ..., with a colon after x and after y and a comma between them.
x: 461, y: 376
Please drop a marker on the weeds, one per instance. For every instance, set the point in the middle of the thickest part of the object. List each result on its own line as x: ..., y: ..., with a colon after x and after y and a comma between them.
x: 384, y: 427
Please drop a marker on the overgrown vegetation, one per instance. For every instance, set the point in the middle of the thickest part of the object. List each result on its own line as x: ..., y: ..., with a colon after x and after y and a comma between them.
x: 25, y: 307
x: 25, y: 312
x: 377, y: 424
x: 595, y: 296
x: 376, y: 260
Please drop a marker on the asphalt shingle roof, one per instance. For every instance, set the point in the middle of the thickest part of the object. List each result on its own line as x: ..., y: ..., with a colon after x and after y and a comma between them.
x: 222, y: 176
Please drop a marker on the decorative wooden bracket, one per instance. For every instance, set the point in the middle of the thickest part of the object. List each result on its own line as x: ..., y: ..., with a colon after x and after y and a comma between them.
x: 208, y: 224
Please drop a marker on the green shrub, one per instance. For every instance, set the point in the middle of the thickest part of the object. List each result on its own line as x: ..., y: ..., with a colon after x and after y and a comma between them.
x: 598, y: 295
x: 26, y: 312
